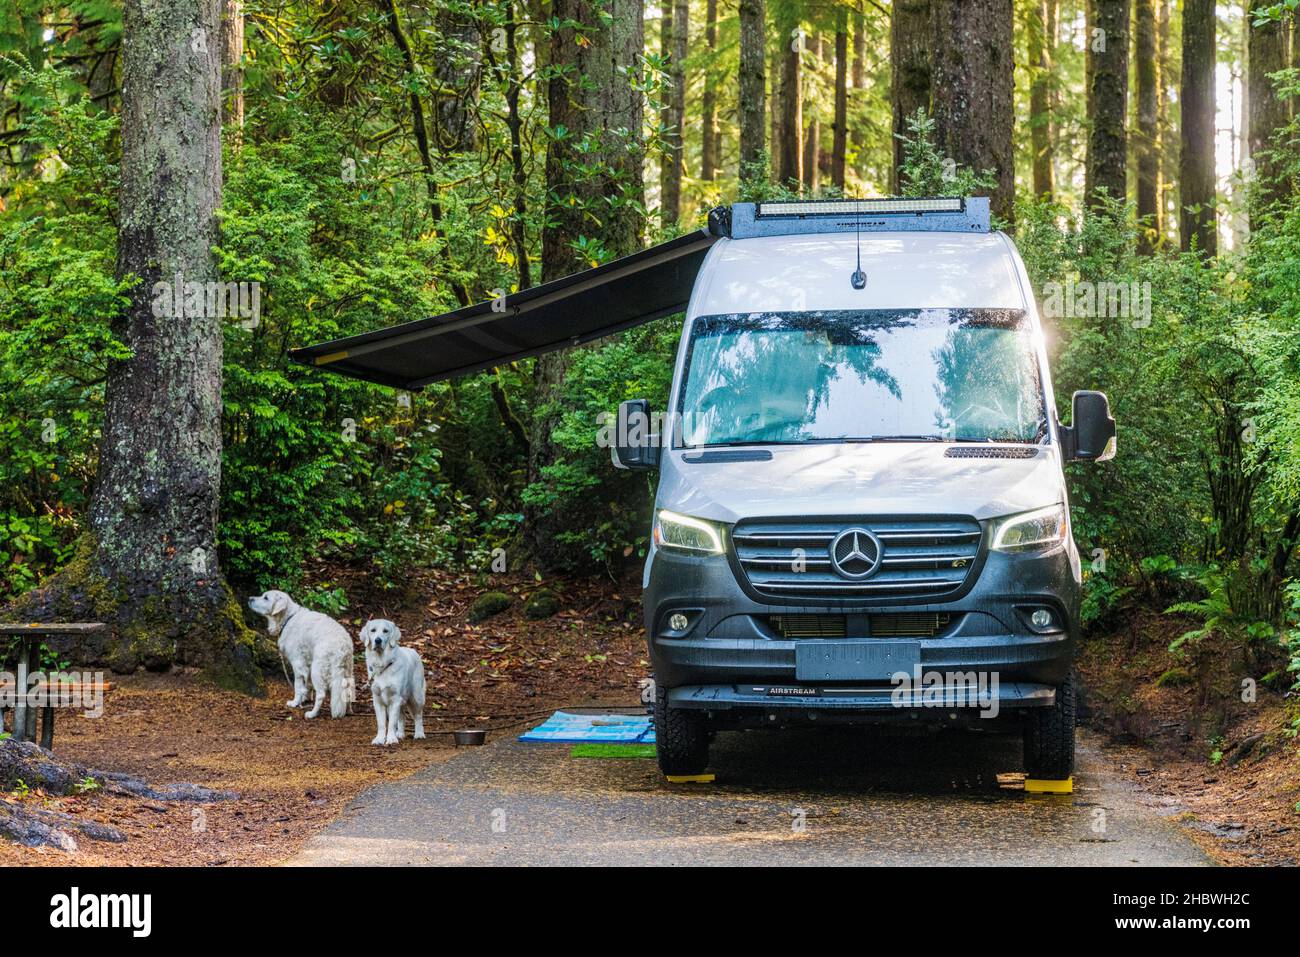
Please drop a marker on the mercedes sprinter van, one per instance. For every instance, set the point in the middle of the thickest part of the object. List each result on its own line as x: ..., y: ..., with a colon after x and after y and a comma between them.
x: 861, y: 512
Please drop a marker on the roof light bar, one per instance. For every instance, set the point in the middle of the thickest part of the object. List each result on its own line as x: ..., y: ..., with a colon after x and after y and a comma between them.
x: 929, y: 214
x: 861, y: 207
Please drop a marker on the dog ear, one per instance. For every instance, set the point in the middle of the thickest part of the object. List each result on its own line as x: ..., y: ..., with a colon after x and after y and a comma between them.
x: 394, y: 633
x: 279, y: 604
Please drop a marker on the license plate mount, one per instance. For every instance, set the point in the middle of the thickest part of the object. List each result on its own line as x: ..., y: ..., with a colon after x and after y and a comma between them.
x: 870, y: 660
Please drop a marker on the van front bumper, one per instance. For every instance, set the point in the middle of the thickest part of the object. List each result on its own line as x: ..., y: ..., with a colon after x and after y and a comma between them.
x: 728, y: 649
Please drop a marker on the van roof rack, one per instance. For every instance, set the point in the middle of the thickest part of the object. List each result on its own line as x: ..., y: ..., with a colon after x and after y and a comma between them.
x: 794, y: 217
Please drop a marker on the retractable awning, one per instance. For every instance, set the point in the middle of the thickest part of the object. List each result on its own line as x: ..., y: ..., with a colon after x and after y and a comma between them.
x: 564, y: 312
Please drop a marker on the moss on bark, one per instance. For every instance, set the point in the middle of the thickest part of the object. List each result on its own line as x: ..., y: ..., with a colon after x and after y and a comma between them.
x: 151, y: 625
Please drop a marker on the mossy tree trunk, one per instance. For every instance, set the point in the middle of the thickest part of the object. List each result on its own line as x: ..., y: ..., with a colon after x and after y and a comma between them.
x: 788, y: 147
x: 673, y: 36
x: 710, y: 136
x: 148, y: 565
x: 1042, y: 48
x: 971, y: 75
x: 1107, y: 80
x: 752, y: 106
x: 1267, y: 112
x: 1197, y: 215
x: 595, y: 189
x: 909, y: 56
x: 1148, y: 126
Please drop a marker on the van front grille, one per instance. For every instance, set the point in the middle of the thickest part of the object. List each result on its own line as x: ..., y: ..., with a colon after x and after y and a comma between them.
x: 809, y: 626
x: 914, y: 558
x: 924, y: 625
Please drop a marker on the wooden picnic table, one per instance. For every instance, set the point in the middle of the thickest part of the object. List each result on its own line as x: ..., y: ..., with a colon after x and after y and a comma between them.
x: 24, y: 724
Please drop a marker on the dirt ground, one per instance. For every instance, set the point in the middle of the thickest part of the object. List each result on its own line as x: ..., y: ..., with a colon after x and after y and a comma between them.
x: 1227, y: 769
x: 1229, y: 772
x: 293, y: 775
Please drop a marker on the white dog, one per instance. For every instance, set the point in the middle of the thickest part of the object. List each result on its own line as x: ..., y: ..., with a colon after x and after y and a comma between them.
x: 396, y: 681
x: 315, y: 646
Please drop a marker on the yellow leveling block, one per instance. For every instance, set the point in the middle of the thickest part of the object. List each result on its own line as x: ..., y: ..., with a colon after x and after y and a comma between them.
x: 1038, y: 786
x: 689, y: 778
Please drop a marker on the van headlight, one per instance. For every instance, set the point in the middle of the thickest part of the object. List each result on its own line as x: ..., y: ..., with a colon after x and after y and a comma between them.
x: 1037, y: 529
x: 683, y: 533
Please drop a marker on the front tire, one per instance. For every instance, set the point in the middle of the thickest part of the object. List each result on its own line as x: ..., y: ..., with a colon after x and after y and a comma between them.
x: 681, y: 737
x: 1049, y: 737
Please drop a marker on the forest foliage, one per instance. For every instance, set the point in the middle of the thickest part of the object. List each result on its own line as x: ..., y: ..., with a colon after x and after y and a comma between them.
x: 349, y: 223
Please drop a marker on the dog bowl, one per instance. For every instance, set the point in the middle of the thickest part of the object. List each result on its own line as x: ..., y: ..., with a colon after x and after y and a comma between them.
x: 469, y: 737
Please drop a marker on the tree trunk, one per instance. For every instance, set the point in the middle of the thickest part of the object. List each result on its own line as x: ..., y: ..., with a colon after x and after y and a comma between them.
x: 1169, y: 57
x: 774, y: 104
x: 1107, y: 70
x: 752, y: 107
x: 1197, y: 220
x: 710, y: 145
x: 812, y: 143
x: 673, y: 30
x: 909, y: 58
x: 840, y: 145
x: 148, y: 564
x: 789, y: 149
x: 859, y: 51
x: 1041, y: 45
x: 601, y: 108
x: 232, y: 55
x: 971, y: 74
x: 1148, y: 127
x: 1267, y: 111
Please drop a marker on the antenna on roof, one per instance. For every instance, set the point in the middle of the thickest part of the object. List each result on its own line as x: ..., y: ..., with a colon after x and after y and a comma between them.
x: 859, y: 279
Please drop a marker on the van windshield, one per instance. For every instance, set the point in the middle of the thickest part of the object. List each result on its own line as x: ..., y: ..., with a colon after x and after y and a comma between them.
x: 957, y: 375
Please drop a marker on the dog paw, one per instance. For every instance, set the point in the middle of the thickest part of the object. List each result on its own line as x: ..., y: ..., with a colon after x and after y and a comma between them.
x: 293, y: 704
x: 311, y: 714
x: 418, y: 736
x: 378, y: 739
x: 391, y: 739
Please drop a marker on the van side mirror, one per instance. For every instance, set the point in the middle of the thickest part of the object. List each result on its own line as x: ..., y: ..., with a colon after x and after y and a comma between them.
x: 1091, y: 434
x: 635, y: 445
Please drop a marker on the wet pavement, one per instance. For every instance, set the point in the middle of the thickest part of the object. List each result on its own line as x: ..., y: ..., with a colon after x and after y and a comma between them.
x: 826, y: 796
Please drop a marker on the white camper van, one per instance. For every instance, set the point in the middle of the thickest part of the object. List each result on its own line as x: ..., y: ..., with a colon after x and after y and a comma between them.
x: 861, y: 513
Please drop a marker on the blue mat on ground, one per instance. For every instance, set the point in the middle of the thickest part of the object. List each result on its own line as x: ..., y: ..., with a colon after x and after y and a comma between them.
x: 577, y: 728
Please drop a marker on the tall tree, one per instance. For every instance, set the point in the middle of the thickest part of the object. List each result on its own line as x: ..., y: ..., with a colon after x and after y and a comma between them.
x: 710, y: 138
x: 1041, y: 45
x: 1197, y: 218
x: 232, y: 68
x: 594, y: 190
x: 840, y: 144
x: 1169, y: 57
x: 1267, y: 112
x: 673, y: 33
x: 812, y: 142
x: 789, y: 146
x: 752, y: 105
x: 909, y: 59
x: 859, y: 50
x: 971, y: 64
x: 1107, y: 71
x: 148, y: 563
x: 1148, y: 125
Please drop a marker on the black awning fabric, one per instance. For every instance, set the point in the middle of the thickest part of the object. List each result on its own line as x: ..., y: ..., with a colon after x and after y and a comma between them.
x: 564, y: 312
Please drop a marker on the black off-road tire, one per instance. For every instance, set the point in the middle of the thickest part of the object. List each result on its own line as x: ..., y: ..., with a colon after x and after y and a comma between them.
x: 1049, y: 737
x: 681, y: 737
